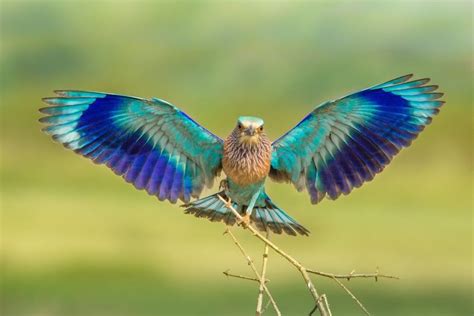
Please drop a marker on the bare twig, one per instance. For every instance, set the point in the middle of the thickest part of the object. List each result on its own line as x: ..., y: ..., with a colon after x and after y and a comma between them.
x: 254, y: 269
x: 350, y: 276
x: 320, y: 303
x: 352, y: 295
x: 266, y: 306
x: 262, y: 282
x: 324, y: 301
x: 311, y: 312
x: 238, y: 276
x: 354, y: 275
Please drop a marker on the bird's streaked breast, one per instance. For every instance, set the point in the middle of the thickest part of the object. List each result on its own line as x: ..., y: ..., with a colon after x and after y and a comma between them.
x: 246, y: 164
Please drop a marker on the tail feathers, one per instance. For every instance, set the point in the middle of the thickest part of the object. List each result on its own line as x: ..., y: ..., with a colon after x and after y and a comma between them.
x: 274, y: 218
x: 270, y: 217
x: 212, y: 208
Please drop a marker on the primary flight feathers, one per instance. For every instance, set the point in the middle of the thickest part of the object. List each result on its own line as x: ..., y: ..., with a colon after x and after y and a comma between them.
x: 152, y: 144
x: 344, y: 143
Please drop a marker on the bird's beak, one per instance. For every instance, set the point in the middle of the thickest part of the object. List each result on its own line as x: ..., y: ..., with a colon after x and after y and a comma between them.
x: 250, y: 131
x: 249, y: 136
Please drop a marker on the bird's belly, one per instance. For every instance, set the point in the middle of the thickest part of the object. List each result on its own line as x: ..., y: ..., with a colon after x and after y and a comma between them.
x: 242, y: 194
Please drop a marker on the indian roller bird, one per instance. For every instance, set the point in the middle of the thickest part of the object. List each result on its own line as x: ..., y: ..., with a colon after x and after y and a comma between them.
x: 160, y: 149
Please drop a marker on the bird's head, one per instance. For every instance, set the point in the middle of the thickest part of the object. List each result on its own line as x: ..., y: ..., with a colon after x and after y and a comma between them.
x: 249, y: 130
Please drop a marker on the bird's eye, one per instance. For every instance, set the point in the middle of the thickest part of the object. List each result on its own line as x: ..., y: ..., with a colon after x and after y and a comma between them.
x: 240, y: 126
x: 260, y: 128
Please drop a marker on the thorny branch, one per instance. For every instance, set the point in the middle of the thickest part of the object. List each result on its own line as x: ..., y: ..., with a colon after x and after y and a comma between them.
x: 323, y: 308
x: 352, y: 295
x: 350, y: 276
x: 238, y: 276
x: 354, y: 275
x: 254, y: 269
x: 262, y: 280
x: 321, y: 303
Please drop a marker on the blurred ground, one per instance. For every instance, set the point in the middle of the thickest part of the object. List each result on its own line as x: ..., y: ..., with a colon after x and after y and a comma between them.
x: 77, y: 240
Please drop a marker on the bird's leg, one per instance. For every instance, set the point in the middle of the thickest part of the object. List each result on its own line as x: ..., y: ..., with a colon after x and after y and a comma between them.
x: 248, y: 212
x: 223, y: 185
x: 245, y: 220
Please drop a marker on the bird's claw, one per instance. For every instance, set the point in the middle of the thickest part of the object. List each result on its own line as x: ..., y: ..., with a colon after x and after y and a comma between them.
x: 245, y: 220
x: 223, y: 185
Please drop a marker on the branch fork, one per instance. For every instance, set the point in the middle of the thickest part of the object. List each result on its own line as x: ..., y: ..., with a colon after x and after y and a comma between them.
x: 320, y: 300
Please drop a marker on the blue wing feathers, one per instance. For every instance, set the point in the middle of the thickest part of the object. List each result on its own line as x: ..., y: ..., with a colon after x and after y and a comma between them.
x: 176, y: 187
x: 341, y: 172
x: 402, y: 86
x: 359, y: 157
x: 353, y: 138
x: 149, y: 142
x: 395, y: 81
x: 412, y: 91
x: 66, y: 109
x: 158, y: 174
x: 168, y: 175
x: 66, y: 104
x: 79, y: 93
x: 347, y: 168
x: 145, y: 171
x: 154, y: 181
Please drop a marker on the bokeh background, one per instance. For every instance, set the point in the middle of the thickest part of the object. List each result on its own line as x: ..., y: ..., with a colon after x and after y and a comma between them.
x: 76, y: 240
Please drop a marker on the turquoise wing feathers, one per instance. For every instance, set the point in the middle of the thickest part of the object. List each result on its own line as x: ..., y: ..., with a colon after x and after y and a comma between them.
x: 149, y: 142
x: 343, y: 143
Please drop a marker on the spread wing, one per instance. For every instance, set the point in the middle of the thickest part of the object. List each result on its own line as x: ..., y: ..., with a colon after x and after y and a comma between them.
x: 151, y: 143
x: 344, y: 143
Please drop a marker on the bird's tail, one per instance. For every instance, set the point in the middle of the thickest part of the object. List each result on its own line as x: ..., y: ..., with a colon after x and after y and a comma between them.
x: 269, y: 217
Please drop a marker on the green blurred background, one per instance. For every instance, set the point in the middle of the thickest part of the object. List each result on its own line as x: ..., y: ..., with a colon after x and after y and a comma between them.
x: 77, y: 240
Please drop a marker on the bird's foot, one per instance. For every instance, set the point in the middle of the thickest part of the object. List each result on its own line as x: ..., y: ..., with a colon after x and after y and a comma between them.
x: 223, y: 185
x: 245, y: 221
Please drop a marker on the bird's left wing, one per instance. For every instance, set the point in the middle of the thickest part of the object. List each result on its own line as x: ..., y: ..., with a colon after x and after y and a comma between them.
x: 151, y: 143
x: 344, y: 143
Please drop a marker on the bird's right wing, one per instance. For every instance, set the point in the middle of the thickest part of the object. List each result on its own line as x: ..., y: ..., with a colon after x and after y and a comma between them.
x: 151, y: 143
x: 344, y: 143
